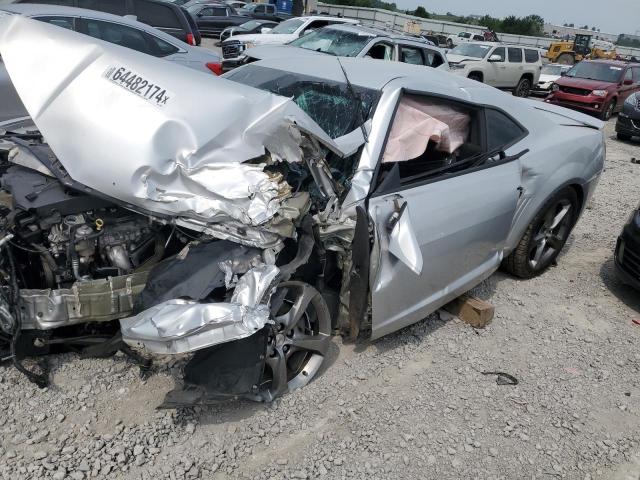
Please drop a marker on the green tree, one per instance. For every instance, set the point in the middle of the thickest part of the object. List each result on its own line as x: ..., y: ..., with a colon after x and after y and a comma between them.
x: 421, y: 12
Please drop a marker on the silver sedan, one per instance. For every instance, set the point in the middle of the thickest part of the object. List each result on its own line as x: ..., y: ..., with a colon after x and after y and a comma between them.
x: 244, y: 220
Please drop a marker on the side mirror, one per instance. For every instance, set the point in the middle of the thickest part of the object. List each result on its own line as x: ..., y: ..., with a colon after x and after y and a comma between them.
x: 627, y: 82
x: 495, y: 58
x: 563, y: 73
x: 402, y: 239
x: 199, y: 14
x: 265, y: 30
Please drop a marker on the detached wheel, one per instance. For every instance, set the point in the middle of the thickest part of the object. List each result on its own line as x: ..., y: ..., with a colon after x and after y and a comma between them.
x: 299, y: 340
x: 545, y: 236
x: 624, y: 137
x: 607, y: 113
x: 523, y: 89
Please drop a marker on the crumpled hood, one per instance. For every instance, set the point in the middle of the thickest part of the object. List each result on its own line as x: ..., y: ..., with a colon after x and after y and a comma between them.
x: 460, y: 58
x: 545, y: 78
x: 150, y: 133
x: 584, y: 83
x: 264, y: 38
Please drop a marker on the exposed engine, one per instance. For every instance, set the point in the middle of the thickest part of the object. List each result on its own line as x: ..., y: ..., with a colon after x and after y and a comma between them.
x: 75, y: 237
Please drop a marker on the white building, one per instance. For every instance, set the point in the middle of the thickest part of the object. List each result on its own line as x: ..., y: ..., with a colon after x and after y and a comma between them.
x: 559, y: 31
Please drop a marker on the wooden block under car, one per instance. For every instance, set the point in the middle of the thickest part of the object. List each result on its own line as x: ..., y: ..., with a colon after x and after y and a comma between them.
x: 471, y: 310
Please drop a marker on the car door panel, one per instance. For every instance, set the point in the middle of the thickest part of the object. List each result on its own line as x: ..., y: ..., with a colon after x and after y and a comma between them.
x: 460, y: 224
x: 496, y: 71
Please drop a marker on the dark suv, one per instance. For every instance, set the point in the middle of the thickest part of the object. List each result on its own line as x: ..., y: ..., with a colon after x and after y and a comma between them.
x: 597, y: 86
x: 164, y: 16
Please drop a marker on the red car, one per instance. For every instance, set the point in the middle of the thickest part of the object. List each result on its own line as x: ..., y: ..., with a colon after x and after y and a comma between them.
x: 596, y: 86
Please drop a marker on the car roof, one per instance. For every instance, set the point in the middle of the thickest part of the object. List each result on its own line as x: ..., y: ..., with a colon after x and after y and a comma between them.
x: 327, y: 17
x: 363, y: 72
x: 33, y: 9
x: 376, y: 32
x: 617, y: 63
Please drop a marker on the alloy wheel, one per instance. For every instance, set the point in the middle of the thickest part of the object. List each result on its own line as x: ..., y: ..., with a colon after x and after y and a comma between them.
x: 300, y: 338
x: 551, y: 235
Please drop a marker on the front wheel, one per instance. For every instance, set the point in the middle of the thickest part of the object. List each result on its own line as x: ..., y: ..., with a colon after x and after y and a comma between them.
x: 607, y: 112
x: 545, y: 236
x: 624, y: 137
x: 523, y: 89
x: 475, y: 76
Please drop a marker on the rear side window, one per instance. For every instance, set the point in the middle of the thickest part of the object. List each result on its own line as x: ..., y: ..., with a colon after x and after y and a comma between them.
x: 515, y: 55
x: 214, y: 12
x: 411, y: 55
x: 531, y: 56
x: 119, y: 34
x: 160, y: 48
x: 156, y: 14
x: 117, y: 7
x: 501, y: 130
x: 64, y: 22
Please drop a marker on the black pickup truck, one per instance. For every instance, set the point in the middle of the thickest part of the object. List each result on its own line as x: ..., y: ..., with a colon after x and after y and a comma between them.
x: 212, y: 19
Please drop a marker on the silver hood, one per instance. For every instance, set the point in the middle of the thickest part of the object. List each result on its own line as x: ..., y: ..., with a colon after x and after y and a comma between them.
x: 155, y: 135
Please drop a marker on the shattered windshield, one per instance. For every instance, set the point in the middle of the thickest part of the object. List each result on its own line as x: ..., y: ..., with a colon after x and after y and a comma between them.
x: 602, y: 72
x: 330, y: 104
x: 334, y: 41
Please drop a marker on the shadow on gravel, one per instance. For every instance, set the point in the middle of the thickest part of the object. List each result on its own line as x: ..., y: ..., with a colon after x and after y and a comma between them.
x: 626, y: 294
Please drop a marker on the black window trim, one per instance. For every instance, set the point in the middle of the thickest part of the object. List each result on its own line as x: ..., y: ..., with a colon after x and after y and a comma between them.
x: 85, y: 17
x: 373, y: 191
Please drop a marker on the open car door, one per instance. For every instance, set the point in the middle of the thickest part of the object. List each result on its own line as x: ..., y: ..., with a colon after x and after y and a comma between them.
x: 441, y: 220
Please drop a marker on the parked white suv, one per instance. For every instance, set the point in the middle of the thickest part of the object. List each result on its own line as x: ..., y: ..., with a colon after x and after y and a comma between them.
x: 463, y: 37
x: 233, y: 48
x: 510, y: 67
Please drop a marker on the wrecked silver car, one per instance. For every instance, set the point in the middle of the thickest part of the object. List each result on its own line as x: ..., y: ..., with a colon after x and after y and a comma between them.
x: 243, y: 221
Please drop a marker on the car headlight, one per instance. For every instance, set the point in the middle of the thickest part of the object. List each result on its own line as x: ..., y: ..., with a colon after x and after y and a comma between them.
x: 555, y: 87
x: 600, y: 93
x: 457, y: 66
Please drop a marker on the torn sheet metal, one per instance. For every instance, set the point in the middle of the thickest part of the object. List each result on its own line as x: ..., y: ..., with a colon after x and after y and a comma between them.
x: 180, y: 326
x: 167, y: 139
x: 95, y: 300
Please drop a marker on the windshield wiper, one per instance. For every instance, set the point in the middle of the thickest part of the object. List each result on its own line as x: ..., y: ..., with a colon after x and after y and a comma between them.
x: 358, y: 100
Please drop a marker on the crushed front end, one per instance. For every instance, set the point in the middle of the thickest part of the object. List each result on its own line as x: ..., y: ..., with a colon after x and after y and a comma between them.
x: 164, y: 232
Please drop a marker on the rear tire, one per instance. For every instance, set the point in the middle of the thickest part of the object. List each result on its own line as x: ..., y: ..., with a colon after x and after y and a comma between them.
x: 566, y: 59
x: 475, y: 76
x: 624, y: 137
x: 545, y: 236
x: 523, y: 89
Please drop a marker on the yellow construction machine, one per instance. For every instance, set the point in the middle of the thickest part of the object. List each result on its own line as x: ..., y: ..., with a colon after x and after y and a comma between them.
x: 569, y: 53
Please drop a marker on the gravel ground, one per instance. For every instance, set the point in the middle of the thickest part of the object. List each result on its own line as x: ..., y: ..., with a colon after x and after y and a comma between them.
x: 411, y: 405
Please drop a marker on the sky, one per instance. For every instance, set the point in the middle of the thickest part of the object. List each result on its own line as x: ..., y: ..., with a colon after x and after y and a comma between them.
x: 611, y: 16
